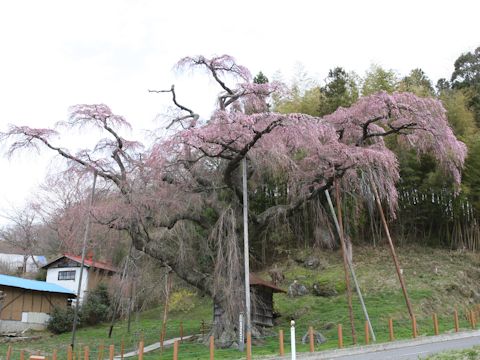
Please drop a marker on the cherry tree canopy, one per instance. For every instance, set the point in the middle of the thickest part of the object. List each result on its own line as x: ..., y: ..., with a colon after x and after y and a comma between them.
x: 175, y: 196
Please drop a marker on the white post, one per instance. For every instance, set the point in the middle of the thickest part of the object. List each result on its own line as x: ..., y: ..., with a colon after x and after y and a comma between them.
x: 245, y: 247
x: 292, y: 340
x: 241, y: 339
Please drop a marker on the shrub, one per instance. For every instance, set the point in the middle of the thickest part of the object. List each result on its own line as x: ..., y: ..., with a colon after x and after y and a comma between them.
x: 182, y: 300
x: 61, y: 320
x: 96, y: 307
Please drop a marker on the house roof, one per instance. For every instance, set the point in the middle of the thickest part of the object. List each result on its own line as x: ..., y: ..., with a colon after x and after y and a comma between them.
x: 35, y: 285
x: 89, y: 262
x: 257, y: 281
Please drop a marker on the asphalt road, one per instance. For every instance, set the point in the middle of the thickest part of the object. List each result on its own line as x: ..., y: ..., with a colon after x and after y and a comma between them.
x: 416, y: 351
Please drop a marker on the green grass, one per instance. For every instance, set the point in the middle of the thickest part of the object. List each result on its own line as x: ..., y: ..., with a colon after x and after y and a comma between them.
x: 468, y: 354
x: 451, y: 285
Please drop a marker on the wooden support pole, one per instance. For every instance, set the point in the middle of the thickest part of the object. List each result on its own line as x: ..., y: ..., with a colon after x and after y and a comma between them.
x: 345, y: 261
x: 392, y: 250
x: 22, y: 355
x: 310, y: 337
x: 111, y: 352
x: 69, y: 352
x: 340, y: 336
x: 140, y: 350
x: 181, y: 331
x: 54, y: 355
x: 414, y: 327
x: 472, y: 319
x: 455, y: 320
x: 86, y: 353
x: 175, y: 350
x: 212, y: 348
x: 390, y: 329
x: 249, y: 345
x: 9, y: 352
x: 367, y: 334
x: 280, y: 340
x: 168, y: 287
x: 435, y: 324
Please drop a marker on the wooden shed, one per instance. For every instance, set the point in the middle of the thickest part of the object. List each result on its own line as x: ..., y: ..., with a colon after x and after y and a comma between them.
x: 261, y: 302
x: 28, y: 303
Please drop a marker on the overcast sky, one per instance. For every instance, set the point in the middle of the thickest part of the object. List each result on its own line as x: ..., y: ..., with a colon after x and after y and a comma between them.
x: 58, y: 53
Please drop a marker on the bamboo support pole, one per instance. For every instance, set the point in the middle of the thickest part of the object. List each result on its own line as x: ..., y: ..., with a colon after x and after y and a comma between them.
x: 352, y: 270
x: 175, y: 350
x: 249, y: 345
x: 310, y: 337
x: 111, y: 352
x: 367, y: 334
x: 392, y: 249
x: 455, y: 320
x: 390, y: 329
x: 435, y: 324
x: 281, y: 344
x: 340, y: 336
x: 212, y: 348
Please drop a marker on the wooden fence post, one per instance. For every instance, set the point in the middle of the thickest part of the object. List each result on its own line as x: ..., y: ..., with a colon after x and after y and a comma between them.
x: 181, y: 331
x: 280, y: 339
x: 367, y: 333
x: 340, y: 336
x: 212, y: 348
x: 111, y: 352
x: 22, y: 355
x: 390, y: 329
x: 9, y: 352
x: 54, y: 355
x: 69, y: 352
x: 435, y: 324
x: 140, y: 350
x: 414, y: 327
x: 86, y: 353
x: 455, y: 319
x: 100, y: 352
x: 249, y: 345
x: 310, y: 338
x: 472, y: 319
x: 122, y: 349
x: 175, y: 350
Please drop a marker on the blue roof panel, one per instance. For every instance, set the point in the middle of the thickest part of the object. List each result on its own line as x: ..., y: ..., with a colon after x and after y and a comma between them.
x: 14, y: 281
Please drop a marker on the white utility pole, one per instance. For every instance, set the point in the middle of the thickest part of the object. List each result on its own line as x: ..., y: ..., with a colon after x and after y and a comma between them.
x: 84, y: 249
x: 245, y: 247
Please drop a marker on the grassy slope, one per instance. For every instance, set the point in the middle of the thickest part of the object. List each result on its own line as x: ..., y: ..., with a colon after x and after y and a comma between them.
x: 454, y: 283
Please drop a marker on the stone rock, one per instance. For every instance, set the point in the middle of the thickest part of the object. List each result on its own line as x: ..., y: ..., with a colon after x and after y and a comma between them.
x: 296, y: 289
x: 328, y: 326
x: 325, y: 290
x: 311, y: 262
x: 318, y: 338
